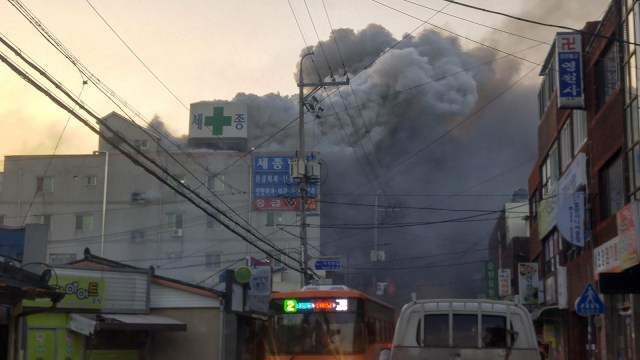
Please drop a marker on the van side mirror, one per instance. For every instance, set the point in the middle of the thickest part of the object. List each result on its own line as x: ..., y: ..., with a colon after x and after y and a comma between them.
x: 384, y: 354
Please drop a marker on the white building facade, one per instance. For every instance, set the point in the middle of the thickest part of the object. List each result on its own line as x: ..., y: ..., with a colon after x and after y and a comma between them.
x: 104, y: 202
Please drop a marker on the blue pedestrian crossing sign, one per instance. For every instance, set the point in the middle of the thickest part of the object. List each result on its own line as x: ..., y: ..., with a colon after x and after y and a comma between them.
x: 589, y: 302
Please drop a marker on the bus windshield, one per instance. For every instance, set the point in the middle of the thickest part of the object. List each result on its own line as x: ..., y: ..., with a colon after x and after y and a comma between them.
x: 316, y: 333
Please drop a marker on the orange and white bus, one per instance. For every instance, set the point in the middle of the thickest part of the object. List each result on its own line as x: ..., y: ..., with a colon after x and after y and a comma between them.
x: 328, y: 322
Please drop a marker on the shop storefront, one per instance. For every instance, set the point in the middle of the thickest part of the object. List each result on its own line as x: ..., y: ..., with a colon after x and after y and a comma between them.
x: 104, y: 315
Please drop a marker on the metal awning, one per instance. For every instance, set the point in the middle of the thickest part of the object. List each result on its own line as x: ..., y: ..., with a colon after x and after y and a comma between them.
x: 87, y: 324
x: 552, y: 312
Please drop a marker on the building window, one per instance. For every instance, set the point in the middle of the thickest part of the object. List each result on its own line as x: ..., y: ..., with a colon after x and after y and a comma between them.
x: 566, y: 148
x: 175, y: 221
x: 44, y: 184
x: 579, y: 123
x: 552, y: 252
x: 84, y: 222
x: 276, y: 260
x: 59, y: 259
x: 92, y: 180
x: 547, y: 87
x: 212, y: 261
x: 549, y: 170
x: 607, y: 74
x: 42, y: 219
x: 215, y: 182
x: 212, y: 223
x: 611, y: 188
x: 141, y: 144
x: 274, y: 218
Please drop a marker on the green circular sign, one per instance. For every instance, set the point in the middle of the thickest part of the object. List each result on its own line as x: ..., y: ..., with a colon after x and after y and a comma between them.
x: 243, y: 274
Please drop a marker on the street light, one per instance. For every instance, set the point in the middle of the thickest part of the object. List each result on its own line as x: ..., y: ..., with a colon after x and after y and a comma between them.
x: 104, y: 197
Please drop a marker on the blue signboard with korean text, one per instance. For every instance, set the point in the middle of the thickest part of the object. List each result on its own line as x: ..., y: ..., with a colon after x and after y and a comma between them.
x: 334, y: 264
x: 273, y: 188
x: 569, y: 70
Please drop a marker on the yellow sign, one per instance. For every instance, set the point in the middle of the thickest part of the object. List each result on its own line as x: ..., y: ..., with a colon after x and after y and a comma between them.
x: 80, y: 293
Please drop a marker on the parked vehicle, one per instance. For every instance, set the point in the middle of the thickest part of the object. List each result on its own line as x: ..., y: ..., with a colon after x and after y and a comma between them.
x: 464, y: 329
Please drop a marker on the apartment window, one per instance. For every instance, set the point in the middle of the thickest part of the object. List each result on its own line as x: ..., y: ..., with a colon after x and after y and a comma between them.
x: 141, y: 144
x: 42, y: 219
x: 274, y: 218
x: 276, y: 260
x: 62, y: 258
x: 607, y: 74
x: 175, y: 221
x: 44, y: 184
x: 566, y: 149
x: 212, y: 260
x: 552, y: 251
x: 547, y: 87
x: 215, y: 182
x: 212, y: 223
x: 92, y: 180
x: 611, y: 188
x: 579, y: 123
x: 84, y: 222
x: 550, y: 170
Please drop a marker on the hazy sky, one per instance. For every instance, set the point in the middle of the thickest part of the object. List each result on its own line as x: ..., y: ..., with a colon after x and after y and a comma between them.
x: 203, y: 50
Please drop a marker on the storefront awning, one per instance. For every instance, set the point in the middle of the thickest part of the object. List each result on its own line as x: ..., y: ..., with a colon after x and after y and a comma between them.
x: 87, y: 324
x: 552, y: 312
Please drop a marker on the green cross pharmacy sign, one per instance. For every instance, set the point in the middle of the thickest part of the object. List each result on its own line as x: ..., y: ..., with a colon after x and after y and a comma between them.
x: 212, y: 119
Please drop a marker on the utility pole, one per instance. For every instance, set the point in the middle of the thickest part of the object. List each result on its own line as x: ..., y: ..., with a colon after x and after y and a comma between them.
x: 300, y: 168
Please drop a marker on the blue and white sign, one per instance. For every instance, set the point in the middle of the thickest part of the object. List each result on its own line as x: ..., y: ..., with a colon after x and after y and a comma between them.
x: 334, y: 264
x: 569, y: 70
x: 271, y: 178
x: 589, y: 303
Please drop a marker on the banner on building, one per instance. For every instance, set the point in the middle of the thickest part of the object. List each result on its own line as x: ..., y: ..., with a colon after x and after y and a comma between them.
x: 259, y: 290
x: 528, y: 283
x: 570, y: 220
x: 569, y: 70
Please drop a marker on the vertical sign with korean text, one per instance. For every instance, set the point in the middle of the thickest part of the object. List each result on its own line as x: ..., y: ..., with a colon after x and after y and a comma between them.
x: 528, y: 283
x: 491, y: 279
x: 504, y: 282
x: 274, y: 189
x: 569, y: 70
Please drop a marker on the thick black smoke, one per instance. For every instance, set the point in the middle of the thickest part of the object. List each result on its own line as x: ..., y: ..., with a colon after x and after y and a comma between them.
x: 423, y: 124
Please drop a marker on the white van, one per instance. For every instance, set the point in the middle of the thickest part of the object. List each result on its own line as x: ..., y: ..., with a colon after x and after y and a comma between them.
x: 464, y: 329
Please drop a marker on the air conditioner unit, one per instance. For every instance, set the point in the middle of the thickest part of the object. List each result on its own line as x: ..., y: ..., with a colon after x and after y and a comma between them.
x: 176, y: 232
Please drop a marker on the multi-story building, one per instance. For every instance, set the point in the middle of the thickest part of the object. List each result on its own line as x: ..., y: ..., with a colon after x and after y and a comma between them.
x: 509, y: 246
x: 105, y: 202
x: 584, y: 190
